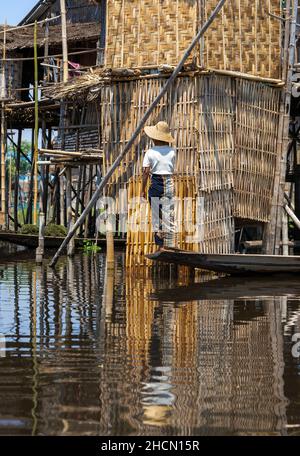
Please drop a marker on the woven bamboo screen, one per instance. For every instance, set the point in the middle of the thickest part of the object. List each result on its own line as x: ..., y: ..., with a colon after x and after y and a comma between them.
x: 200, y: 112
x: 226, y: 134
x: 244, y: 37
x: 257, y: 117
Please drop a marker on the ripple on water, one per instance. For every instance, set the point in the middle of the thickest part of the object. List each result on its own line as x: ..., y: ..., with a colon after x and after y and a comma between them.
x: 89, y: 353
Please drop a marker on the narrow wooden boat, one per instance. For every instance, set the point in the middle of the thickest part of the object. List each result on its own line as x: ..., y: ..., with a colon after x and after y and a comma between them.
x: 51, y: 242
x: 230, y: 263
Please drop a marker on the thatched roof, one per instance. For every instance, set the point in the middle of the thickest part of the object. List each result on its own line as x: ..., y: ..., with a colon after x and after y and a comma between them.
x: 23, y: 38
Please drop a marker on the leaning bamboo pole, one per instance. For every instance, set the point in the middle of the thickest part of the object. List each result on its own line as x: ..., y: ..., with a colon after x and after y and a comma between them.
x: 137, y: 131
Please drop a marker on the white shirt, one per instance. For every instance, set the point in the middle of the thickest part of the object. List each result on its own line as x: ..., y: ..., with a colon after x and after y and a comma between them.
x: 160, y: 159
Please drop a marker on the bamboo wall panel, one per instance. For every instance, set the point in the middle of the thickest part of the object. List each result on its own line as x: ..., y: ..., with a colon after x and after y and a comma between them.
x: 257, y: 117
x: 141, y: 33
x: 225, y: 133
x: 242, y: 38
x: 200, y: 112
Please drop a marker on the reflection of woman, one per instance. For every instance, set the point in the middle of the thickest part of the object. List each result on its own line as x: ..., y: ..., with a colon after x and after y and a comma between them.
x: 159, y: 160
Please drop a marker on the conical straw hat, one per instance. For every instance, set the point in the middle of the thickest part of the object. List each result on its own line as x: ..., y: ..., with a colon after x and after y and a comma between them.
x: 160, y: 132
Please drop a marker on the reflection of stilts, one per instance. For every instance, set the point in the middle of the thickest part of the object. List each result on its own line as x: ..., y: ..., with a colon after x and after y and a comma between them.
x: 108, y: 294
x: 34, y: 356
x: 275, y: 315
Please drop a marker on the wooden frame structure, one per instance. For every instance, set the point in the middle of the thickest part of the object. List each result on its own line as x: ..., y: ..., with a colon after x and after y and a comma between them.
x: 229, y: 111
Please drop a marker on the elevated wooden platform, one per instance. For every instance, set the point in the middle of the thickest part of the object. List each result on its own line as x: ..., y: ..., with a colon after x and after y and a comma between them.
x: 230, y: 263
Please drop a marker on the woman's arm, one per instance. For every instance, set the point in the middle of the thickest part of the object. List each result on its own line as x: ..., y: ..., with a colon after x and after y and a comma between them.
x: 146, y: 172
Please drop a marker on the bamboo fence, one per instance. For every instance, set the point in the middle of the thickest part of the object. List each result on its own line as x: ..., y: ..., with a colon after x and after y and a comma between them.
x: 245, y: 37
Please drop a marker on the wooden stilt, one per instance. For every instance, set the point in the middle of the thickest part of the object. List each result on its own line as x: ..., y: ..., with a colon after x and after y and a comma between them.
x: 71, y: 245
x: 110, y: 252
x: 41, y: 248
x: 3, y: 221
x: 17, y: 179
x: 36, y: 129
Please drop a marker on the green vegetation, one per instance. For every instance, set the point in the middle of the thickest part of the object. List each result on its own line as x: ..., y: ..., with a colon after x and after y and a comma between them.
x: 55, y: 230
x: 89, y: 246
x: 29, y: 229
x: 24, y: 164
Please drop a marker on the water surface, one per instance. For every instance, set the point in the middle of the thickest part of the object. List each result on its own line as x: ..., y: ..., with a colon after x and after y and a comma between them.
x: 93, y: 353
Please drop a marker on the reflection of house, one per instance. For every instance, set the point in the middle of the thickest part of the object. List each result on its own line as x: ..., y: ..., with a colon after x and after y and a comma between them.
x: 106, y: 359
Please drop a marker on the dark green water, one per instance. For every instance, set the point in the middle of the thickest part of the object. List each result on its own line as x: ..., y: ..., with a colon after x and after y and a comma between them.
x: 90, y: 353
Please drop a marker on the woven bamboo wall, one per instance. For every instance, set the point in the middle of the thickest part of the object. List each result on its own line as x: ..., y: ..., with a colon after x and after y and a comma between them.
x: 226, y: 134
x: 257, y: 117
x: 153, y: 32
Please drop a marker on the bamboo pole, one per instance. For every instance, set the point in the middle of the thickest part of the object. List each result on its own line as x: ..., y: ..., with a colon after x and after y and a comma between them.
x: 285, y: 234
x: 39, y: 253
x: 71, y: 246
x: 36, y: 128
x: 137, y: 131
x: 3, y: 132
x: 17, y: 179
x: 64, y: 40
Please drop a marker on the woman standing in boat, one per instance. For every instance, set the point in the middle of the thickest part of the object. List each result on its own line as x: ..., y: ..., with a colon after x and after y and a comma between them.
x: 159, y: 161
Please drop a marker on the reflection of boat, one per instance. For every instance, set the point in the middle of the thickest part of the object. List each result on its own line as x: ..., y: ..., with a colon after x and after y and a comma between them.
x: 51, y: 242
x: 230, y: 263
x: 229, y: 288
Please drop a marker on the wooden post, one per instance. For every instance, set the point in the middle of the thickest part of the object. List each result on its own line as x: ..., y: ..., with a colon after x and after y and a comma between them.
x: 36, y: 126
x: 71, y: 246
x: 285, y: 234
x: 17, y: 180
x: 3, y: 134
x: 40, y: 250
x: 137, y: 131
x: 110, y: 253
x: 64, y: 40
x: 62, y: 200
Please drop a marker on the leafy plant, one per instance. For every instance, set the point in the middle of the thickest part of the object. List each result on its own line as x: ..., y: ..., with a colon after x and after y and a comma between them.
x: 89, y: 246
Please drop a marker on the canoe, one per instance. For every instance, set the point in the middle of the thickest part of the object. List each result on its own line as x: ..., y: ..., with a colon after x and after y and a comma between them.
x: 230, y: 263
x: 51, y: 242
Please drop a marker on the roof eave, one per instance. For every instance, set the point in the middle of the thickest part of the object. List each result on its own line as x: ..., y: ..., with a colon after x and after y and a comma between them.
x: 40, y: 8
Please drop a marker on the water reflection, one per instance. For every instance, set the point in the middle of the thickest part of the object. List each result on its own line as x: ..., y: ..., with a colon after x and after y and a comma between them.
x: 94, y: 352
